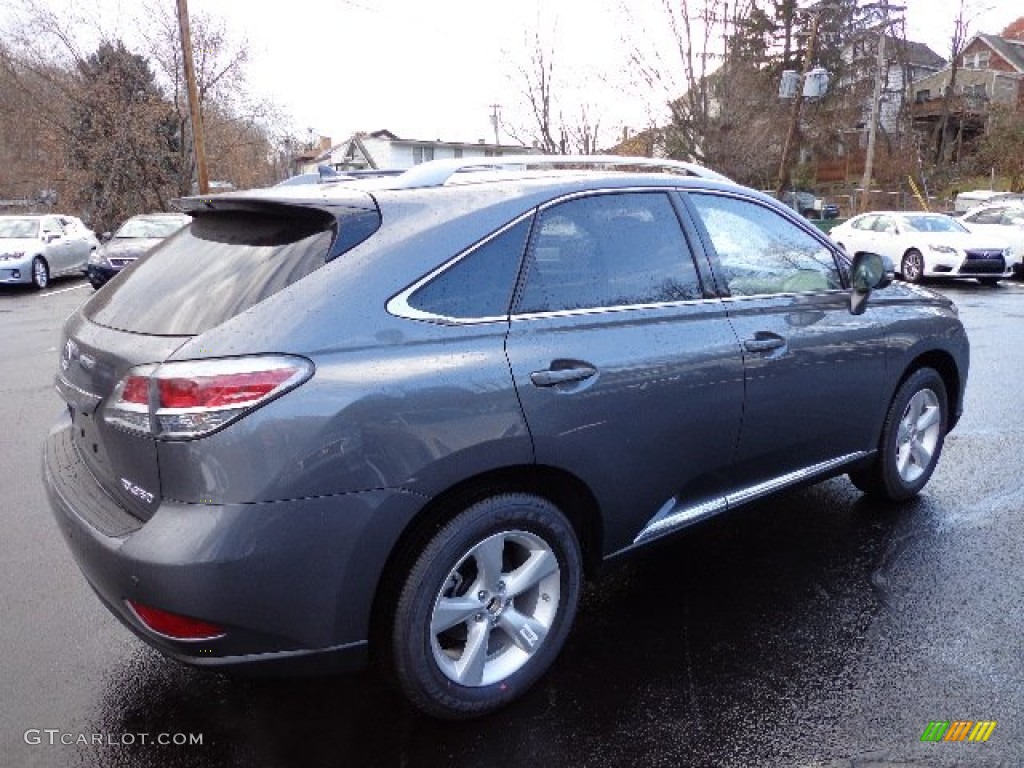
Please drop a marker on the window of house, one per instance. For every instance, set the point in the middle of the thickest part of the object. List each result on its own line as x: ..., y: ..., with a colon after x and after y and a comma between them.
x: 763, y: 253
x: 977, y: 91
x: 612, y: 250
x: 923, y: 95
x: 978, y: 60
x: 457, y: 152
x: 422, y: 153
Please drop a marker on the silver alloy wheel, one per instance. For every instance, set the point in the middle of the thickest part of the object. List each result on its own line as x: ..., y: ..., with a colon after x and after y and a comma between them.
x: 918, y: 435
x: 495, y: 608
x: 913, y: 266
x: 40, y: 274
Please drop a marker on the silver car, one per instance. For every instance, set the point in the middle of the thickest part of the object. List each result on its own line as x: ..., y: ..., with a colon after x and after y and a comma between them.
x: 34, y: 249
x: 400, y: 420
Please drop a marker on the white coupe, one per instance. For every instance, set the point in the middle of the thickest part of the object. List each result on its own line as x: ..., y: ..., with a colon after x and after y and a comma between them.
x: 927, y: 245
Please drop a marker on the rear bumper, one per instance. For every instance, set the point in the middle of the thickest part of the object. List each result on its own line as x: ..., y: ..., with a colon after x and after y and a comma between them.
x: 292, y: 582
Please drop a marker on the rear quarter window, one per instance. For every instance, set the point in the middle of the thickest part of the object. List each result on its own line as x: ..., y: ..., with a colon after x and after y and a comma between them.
x: 480, y: 284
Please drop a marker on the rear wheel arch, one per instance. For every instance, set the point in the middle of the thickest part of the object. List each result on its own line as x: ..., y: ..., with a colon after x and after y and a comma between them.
x: 563, y: 489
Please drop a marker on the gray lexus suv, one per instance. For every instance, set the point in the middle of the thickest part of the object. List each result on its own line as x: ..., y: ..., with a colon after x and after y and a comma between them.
x: 399, y: 420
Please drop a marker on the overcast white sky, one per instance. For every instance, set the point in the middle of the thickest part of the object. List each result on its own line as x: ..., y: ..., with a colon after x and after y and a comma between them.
x: 430, y: 68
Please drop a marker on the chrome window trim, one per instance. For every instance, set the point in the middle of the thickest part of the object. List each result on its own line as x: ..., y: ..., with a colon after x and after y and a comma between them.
x: 673, y: 515
x: 608, y: 310
x: 399, y: 306
x: 753, y: 296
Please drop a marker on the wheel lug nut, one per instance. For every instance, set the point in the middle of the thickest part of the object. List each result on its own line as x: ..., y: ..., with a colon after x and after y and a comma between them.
x: 479, y: 617
x: 481, y: 595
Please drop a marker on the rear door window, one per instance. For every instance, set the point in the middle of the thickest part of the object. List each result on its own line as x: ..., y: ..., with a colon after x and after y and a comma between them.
x: 609, y: 250
x: 220, y: 265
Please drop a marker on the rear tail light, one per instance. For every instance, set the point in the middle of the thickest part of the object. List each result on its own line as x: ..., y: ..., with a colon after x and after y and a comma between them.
x: 174, y: 625
x: 190, y: 399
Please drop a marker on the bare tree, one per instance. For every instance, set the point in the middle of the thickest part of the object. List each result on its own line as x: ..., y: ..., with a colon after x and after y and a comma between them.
x: 237, y: 127
x: 558, y: 124
x: 941, y: 140
x: 106, y: 124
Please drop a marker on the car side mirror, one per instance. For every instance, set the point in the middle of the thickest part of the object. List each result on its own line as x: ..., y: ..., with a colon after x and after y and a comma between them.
x: 105, y: 237
x: 49, y: 237
x: 868, y: 272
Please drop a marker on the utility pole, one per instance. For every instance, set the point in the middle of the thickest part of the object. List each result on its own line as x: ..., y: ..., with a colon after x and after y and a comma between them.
x: 798, y: 103
x: 198, y: 142
x: 495, y: 121
x: 876, y: 104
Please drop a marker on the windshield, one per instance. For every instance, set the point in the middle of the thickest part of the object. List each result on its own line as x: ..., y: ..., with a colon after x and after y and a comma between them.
x: 151, y: 227
x: 19, y: 228
x: 934, y: 224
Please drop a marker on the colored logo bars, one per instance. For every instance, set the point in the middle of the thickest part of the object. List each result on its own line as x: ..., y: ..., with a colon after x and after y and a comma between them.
x: 959, y: 730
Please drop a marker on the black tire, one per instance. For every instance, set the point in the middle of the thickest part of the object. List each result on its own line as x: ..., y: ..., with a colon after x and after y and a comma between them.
x: 451, y: 567
x: 912, y: 266
x: 900, y: 469
x: 40, y: 273
x: 991, y: 282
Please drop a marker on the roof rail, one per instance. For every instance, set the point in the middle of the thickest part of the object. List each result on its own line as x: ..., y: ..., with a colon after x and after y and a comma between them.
x: 435, y: 173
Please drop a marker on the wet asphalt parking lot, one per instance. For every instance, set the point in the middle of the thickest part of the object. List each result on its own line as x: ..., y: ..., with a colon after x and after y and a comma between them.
x: 815, y: 629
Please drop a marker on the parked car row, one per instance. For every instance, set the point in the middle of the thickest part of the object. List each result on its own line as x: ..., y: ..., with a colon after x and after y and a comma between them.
x: 37, y: 248
x: 924, y: 245
x: 399, y: 419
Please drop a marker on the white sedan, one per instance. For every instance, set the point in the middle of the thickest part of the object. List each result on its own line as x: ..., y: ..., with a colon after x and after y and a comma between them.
x: 34, y: 248
x: 927, y: 245
x: 1000, y: 219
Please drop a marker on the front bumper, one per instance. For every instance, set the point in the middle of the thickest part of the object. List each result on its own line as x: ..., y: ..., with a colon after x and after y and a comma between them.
x: 940, y: 264
x: 292, y: 582
x: 15, y: 271
x: 98, y: 275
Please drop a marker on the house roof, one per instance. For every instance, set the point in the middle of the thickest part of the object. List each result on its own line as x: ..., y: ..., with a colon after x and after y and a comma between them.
x: 1011, y: 50
x: 917, y: 54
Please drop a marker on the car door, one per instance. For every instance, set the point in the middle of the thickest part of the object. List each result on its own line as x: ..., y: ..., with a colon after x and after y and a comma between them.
x: 57, y: 246
x: 859, y: 234
x: 78, y: 240
x: 888, y: 239
x: 629, y: 374
x: 811, y: 368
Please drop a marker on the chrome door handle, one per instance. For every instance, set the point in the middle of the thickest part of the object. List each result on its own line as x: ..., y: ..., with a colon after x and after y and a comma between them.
x: 764, y: 344
x: 555, y: 376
